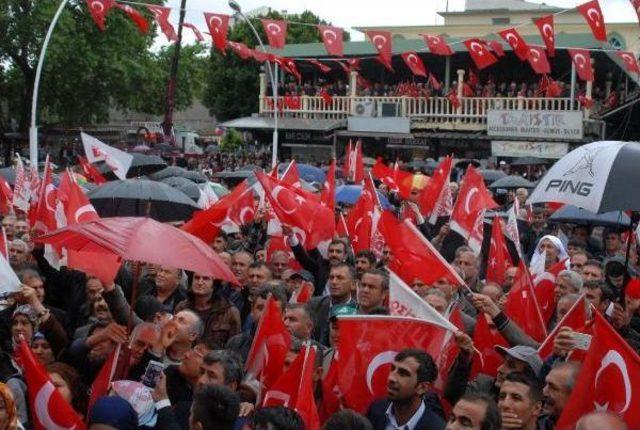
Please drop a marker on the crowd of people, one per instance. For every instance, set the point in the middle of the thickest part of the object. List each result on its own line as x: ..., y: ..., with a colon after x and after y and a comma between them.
x: 202, y: 329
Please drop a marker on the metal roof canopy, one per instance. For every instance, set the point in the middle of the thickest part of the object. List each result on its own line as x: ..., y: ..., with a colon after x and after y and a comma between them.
x: 257, y: 122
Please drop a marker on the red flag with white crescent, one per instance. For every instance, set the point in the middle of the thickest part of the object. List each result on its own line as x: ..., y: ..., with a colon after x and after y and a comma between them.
x: 218, y: 28
x: 49, y: 410
x: 328, y: 193
x: 575, y: 318
x: 593, y: 15
x: 546, y: 28
x: 437, y: 45
x: 498, y: 260
x: 381, y: 40
x: 323, y: 67
x: 276, y: 32
x: 522, y: 306
x: 99, y: 10
x: 195, y: 30
x: 414, y: 63
x: 161, y: 15
x: 485, y: 337
x: 134, y: 15
x: 242, y: 50
x: 582, y: 60
x: 6, y: 196
x: 45, y: 219
x: 517, y: 43
x: 480, y: 54
x: 332, y: 39
x: 436, y: 198
x: 538, y: 60
x: 630, y: 61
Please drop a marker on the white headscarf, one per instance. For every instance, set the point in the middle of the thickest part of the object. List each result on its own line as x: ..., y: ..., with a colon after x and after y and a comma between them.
x: 538, y: 257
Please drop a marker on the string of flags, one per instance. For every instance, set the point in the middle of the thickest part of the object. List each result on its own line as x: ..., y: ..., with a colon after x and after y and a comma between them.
x: 483, y: 53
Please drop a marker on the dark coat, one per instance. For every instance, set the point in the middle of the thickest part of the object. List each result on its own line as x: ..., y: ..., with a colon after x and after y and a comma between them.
x: 429, y: 420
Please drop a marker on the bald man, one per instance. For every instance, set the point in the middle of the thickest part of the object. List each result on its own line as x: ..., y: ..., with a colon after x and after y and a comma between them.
x: 601, y: 421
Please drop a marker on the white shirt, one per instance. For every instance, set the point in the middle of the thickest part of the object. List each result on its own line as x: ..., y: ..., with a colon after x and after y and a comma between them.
x: 392, y: 424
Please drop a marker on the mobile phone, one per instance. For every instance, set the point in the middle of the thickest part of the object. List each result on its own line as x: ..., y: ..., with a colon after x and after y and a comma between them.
x: 152, y: 373
x: 582, y: 341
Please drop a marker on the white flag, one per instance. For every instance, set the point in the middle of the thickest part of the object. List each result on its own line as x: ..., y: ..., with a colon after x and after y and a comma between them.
x: 118, y: 161
x: 208, y: 196
x: 511, y: 228
x: 403, y: 301
x: 21, y: 188
x: 9, y: 282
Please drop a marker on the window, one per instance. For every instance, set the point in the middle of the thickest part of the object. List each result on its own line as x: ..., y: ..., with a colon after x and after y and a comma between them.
x: 500, y: 21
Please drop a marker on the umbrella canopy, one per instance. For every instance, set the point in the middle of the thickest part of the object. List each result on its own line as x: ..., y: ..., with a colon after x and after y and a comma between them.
x: 511, y: 182
x: 219, y: 189
x: 183, y: 184
x: 164, y: 147
x: 307, y: 172
x: 490, y: 176
x: 141, y: 148
x: 141, y: 165
x: 140, y: 197
x: 349, y: 194
x: 528, y: 161
x: 572, y: 215
x: 9, y: 173
x: 212, y: 149
x: 142, y: 239
x: 235, y: 174
x: 167, y: 172
x: 176, y: 181
x: 195, y: 176
x: 599, y: 177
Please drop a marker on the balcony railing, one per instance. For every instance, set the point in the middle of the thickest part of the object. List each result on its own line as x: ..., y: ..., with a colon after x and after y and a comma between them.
x: 428, y: 111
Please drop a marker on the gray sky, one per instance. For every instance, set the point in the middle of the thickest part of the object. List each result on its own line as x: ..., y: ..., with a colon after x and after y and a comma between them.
x: 354, y: 13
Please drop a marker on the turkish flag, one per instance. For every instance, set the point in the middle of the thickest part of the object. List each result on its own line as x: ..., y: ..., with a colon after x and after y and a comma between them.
x: 6, y: 196
x: 544, y: 286
x: 630, y: 61
x: 328, y: 193
x: 161, y: 15
x: 346, y: 168
x: 218, y: 28
x: 45, y: 212
x: 294, y: 388
x: 496, y: 47
x: 134, y: 15
x: 280, y: 243
x: 517, y: 43
x: 607, y: 380
x: 312, y: 222
x: 480, y: 54
x: 102, y: 383
x: 90, y: 171
x: 576, y: 318
x: 341, y: 226
x: 546, y: 28
x: 195, y: 30
x: 414, y: 63
x: 276, y: 32
x: 538, y: 60
x: 291, y: 67
x: 453, y: 99
x: 99, y: 10
x: 291, y: 176
x: 21, y: 190
x: 395, y: 179
x: 413, y: 255
x: 323, y: 67
x: 381, y: 40
x: 522, y: 306
x: 330, y: 392
x: 367, y: 345
x: 436, y: 199
x: 303, y: 294
x: 498, y: 260
x: 360, y: 222
x: 332, y: 39
x: 353, y: 167
x: 474, y: 199
x: 241, y: 50
x: 437, y: 45
x: 48, y: 408
x: 77, y: 207
x: 485, y: 338
x: 593, y: 15
x: 269, y: 348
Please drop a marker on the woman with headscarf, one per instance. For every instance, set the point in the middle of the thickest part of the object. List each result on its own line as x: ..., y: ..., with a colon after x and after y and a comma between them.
x: 548, y: 252
x: 8, y: 411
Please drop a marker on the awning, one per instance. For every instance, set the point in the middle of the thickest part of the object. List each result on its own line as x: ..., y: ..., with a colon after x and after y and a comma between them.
x: 374, y: 134
x: 258, y: 122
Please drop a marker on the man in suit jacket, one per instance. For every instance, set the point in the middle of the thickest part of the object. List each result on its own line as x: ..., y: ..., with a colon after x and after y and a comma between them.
x: 412, y: 374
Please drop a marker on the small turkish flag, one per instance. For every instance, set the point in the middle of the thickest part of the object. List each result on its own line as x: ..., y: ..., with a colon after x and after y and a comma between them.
x: 582, y: 59
x: 437, y: 45
x: 414, y: 63
x: 161, y: 15
x: 276, y: 32
x: 630, y: 61
x: 546, y: 28
x: 332, y: 39
x: 496, y: 47
x: 498, y: 260
x: 353, y: 168
x: 45, y: 211
x: 485, y: 338
x: 517, y: 43
x: 479, y: 53
x: 538, y: 60
x: 544, y: 286
x: 102, y: 382
x: 328, y: 193
x: 522, y: 306
x: 242, y: 50
x: 6, y: 196
x: 49, y: 410
x: 195, y: 30
x: 607, y: 380
x: 436, y: 199
x: 367, y: 346
x: 593, y: 15
x: 219, y: 28
x: 323, y: 67
x: 381, y: 40
x: 99, y: 10
x: 576, y: 318
x: 134, y: 15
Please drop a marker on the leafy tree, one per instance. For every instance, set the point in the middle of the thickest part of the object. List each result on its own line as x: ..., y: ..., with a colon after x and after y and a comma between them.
x: 232, y: 83
x: 231, y: 141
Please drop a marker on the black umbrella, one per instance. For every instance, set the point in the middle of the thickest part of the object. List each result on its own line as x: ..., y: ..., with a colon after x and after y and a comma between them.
x: 141, y: 165
x: 176, y: 181
x: 511, y: 182
x: 183, y: 184
x: 528, y: 161
x: 572, y: 215
x: 140, y: 197
x: 9, y: 173
x: 195, y: 176
x: 491, y: 175
x: 168, y: 172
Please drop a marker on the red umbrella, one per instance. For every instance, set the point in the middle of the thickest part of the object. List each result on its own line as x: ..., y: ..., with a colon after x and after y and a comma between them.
x: 142, y: 239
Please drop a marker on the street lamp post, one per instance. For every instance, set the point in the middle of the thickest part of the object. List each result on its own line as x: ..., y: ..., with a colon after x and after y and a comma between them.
x: 274, y: 85
x: 33, y: 129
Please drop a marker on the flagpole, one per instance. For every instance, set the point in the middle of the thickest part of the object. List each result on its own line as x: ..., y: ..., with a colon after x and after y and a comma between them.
x: 33, y: 129
x: 274, y: 85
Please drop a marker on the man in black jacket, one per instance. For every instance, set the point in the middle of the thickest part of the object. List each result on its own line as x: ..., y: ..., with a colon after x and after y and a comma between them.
x: 412, y: 374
